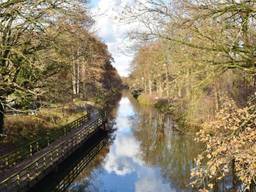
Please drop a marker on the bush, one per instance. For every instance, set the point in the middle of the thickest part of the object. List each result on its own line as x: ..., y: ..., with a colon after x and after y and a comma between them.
x: 145, y: 99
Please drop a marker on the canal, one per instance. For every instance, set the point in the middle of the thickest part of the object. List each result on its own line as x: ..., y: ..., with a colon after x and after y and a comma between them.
x: 145, y: 153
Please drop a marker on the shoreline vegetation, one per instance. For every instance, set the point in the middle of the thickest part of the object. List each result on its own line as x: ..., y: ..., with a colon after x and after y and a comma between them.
x: 165, y: 106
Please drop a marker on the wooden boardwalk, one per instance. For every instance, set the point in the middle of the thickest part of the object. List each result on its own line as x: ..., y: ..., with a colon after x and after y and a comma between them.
x: 23, y: 175
x: 67, y: 172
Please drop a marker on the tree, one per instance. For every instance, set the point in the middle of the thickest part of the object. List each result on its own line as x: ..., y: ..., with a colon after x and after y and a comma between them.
x: 210, y: 54
x: 225, y: 27
x: 23, y: 39
x: 231, y: 147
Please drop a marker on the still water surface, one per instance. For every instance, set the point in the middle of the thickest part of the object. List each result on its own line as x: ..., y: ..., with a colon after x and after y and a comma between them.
x: 146, y: 155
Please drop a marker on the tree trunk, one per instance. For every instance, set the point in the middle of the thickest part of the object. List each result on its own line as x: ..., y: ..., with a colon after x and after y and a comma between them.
x: 74, y: 77
x: 253, y: 186
x: 160, y: 89
x: 1, y: 118
x: 78, y: 79
x: 234, y: 179
x: 167, y: 81
x: 217, y: 97
x: 150, y: 87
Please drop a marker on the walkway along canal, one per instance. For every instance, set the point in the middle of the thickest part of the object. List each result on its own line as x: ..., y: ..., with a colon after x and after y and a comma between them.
x: 20, y: 176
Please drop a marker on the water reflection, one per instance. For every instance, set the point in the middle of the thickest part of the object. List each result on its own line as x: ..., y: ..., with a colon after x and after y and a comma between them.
x: 146, y: 155
x: 75, y: 166
x: 166, y: 148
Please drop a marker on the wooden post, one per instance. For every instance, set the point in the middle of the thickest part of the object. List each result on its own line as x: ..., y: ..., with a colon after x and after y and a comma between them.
x: 37, y: 146
x: 51, y: 157
x: 6, y: 161
x: 37, y: 167
x: 18, y: 179
x: 63, y: 151
x: 28, y: 176
x: 31, y: 149
x: 57, y: 152
x: 48, y: 140
x: 44, y: 162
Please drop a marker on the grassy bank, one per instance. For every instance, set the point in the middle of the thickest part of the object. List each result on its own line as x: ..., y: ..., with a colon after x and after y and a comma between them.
x: 164, y: 105
x: 23, y: 128
x: 168, y: 106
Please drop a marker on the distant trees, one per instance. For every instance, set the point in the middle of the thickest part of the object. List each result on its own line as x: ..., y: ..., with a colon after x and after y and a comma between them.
x: 196, y: 53
x: 81, y: 52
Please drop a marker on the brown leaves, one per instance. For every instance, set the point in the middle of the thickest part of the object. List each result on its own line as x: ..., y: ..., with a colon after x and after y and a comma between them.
x: 230, y: 138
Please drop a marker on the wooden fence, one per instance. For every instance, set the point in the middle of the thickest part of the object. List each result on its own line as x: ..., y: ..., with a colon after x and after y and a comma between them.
x: 42, y: 161
x: 25, y: 151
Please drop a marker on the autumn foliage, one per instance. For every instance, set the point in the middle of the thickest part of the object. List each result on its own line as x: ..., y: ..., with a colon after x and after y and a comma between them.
x: 194, y: 54
x: 230, y: 141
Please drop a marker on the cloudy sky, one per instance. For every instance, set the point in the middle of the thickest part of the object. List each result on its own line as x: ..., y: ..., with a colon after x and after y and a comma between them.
x: 113, y: 32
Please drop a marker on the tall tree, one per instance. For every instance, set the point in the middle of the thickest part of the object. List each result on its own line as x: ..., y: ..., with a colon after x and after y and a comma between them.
x: 23, y: 37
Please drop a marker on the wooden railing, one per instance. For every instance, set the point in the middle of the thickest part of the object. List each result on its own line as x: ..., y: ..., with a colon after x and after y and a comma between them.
x: 11, y: 159
x: 53, y: 154
x: 69, y: 178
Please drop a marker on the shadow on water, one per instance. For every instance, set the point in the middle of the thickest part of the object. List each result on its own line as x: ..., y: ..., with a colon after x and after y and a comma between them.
x: 60, y: 179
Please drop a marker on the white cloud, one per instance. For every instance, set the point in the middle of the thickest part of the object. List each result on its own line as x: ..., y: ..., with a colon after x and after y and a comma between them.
x: 126, y: 109
x: 123, y: 123
x: 114, y: 33
x: 125, y: 154
x: 123, y: 157
x: 151, y: 181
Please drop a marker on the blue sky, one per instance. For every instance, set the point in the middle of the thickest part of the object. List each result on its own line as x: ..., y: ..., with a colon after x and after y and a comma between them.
x: 94, y: 3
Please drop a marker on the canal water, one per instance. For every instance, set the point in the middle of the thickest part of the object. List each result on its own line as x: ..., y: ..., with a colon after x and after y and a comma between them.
x: 145, y: 154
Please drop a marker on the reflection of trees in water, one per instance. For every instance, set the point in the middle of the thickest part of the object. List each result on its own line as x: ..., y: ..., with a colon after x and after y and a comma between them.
x: 164, y: 147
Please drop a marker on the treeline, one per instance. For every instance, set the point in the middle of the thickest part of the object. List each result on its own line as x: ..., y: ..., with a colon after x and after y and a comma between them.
x: 48, y: 54
x: 200, y: 56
